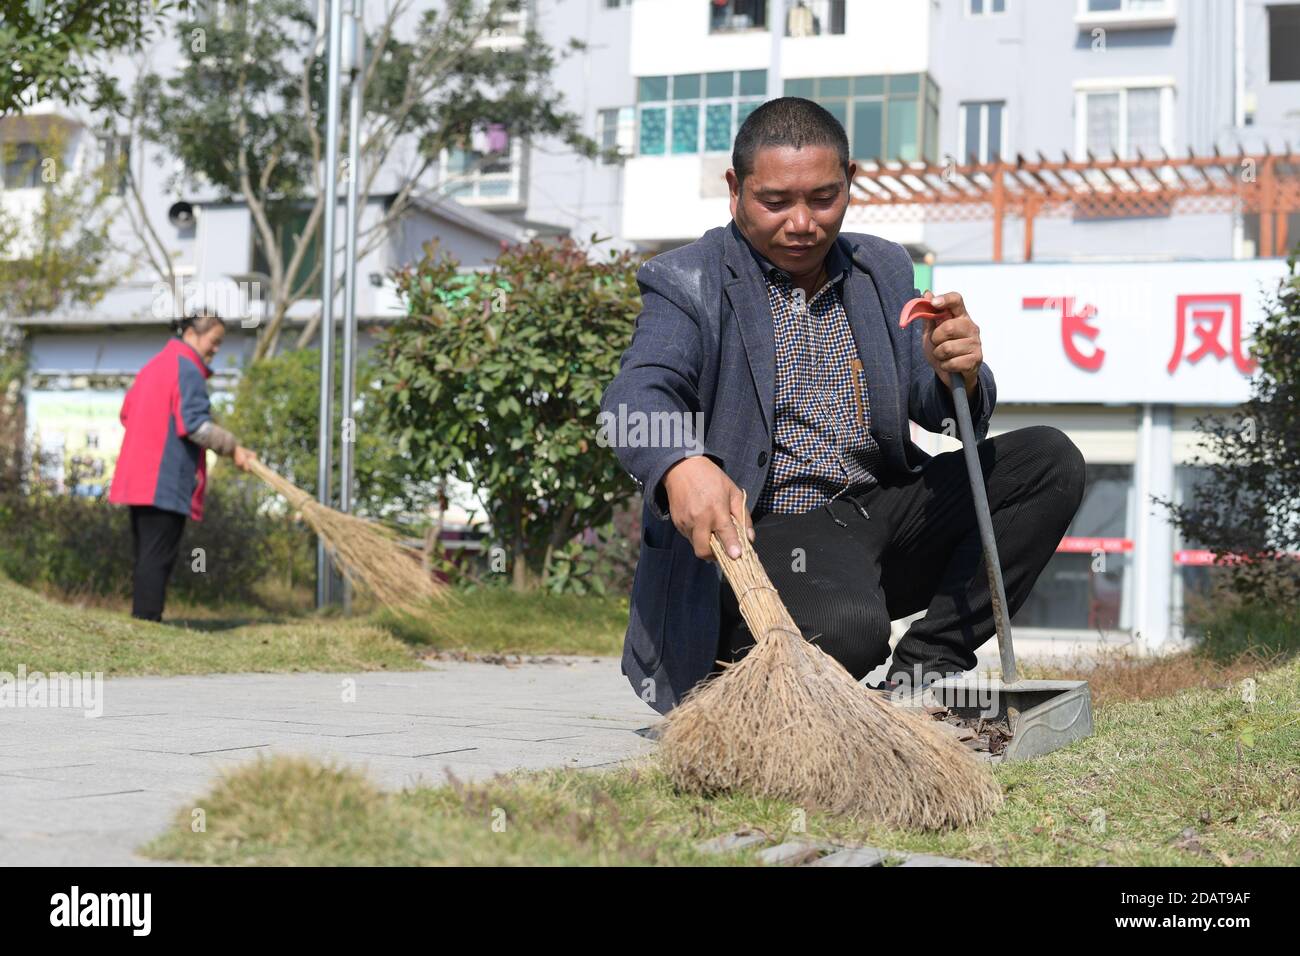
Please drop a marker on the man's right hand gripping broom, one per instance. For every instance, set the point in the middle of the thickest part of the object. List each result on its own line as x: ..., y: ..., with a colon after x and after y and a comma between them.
x: 702, y: 501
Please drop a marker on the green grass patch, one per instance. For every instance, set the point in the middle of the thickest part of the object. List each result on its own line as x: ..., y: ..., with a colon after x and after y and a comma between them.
x: 48, y: 635
x: 1232, y: 626
x: 501, y: 621
x: 1200, y: 778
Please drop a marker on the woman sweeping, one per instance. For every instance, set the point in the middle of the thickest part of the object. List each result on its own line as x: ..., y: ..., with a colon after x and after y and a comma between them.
x: 162, y: 469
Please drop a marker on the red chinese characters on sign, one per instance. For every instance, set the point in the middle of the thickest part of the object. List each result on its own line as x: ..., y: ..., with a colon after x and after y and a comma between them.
x: 1072, y: 324
x: 1205, y: 315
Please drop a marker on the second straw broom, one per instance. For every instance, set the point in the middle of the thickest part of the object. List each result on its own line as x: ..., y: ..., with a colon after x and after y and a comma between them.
x: 369, y: 554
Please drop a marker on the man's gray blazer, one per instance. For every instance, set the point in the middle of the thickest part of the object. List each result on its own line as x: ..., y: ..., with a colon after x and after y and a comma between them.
x: 704, y: 343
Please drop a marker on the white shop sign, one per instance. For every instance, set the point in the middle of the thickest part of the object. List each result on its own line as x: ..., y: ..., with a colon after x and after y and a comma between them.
x: 1175, y: 332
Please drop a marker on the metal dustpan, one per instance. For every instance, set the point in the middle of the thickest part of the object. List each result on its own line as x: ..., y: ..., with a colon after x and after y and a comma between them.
x: 1042, y: 715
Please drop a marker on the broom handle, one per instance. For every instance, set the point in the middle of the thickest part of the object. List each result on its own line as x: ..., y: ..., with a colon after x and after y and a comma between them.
x: 747, y: 576
x: 997, y: 592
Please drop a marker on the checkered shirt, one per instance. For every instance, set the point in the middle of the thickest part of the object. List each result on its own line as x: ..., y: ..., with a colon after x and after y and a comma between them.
x: 821, y: 445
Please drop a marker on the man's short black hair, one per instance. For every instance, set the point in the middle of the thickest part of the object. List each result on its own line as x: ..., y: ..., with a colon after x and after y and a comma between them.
x: 788, y: 121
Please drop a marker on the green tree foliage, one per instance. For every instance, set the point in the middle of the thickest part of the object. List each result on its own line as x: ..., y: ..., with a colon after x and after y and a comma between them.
x: 495, y: 378
x: 49, y: 48
x: 246, y: 115
x: 59, y: 253
x: 1247, y: 508
x: 275, y: 413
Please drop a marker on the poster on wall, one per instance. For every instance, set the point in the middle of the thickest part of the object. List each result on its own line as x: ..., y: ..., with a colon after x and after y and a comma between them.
x: 77, y: 435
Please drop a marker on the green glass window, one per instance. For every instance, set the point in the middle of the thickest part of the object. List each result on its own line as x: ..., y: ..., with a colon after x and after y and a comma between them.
x: 802, y: 88
x: 652, y: 89
x: 717, y: 127
x: 902, y: 129
x: 289, y: 226
x: 652, y: 131
x: 686, y: 86
x: 684, y: 104
x: 868, y: 86
x: 868, y: 129
x: 931, y: 131
x: 753, y: 82
x: 686, y: 129
x: 904, y: 83
x: 833, y: 86
x: 839, y: 109
x: 720, y: 84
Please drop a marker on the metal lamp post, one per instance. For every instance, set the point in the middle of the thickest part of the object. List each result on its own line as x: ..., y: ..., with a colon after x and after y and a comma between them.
x: 325, y: 434
x: 354, y: 56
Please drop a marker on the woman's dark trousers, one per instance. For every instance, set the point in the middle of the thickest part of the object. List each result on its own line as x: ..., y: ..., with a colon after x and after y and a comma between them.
x: 156, y: 540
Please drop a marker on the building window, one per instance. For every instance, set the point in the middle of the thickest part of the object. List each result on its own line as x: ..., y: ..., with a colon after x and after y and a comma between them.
x: 812, y: 18
x: 1126, y: 6
x: 616, y: 129
x: 695, y: 112
x: 1125, y: 14
x: 1284, y: 43
x: 886, y: 117
x: 1084, y: 585
x: 729, y: 16
x: 22, y: 165
x: 615, y: 4
x: 982, y: 136
x: 484, y: 170
x: 1196, y: 576
x: 289, y: 227
x: 983, y: 8
x: 510, y: 29
x: 1124, y: 121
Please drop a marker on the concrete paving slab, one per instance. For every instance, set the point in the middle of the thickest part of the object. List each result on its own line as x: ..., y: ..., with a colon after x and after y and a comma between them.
x: 78, y: 791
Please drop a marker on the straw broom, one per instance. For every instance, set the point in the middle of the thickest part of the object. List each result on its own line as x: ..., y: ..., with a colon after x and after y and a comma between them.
x: 370, y: 554
x: 789, y: 721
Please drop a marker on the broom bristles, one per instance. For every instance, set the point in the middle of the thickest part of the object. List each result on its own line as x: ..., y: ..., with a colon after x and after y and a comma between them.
x: 369, y: 554
x: 789, y: 721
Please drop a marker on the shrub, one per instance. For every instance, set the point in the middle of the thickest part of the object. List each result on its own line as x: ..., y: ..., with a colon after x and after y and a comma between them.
x: 495, y: 378
x: 1246, y: 508
x: 82, y: 546
x: 276, y: 413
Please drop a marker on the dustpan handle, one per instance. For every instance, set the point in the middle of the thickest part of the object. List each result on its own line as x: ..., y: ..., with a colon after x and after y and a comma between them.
x: 1001, y: 620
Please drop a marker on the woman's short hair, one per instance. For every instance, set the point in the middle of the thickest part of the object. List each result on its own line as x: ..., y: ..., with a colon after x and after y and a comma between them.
x: 200, y: 320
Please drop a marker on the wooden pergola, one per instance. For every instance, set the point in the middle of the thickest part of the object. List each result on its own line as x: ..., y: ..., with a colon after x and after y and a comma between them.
x: 1267, y: 184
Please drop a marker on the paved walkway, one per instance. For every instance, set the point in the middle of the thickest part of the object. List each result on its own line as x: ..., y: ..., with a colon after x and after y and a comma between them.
x: 89, y: 791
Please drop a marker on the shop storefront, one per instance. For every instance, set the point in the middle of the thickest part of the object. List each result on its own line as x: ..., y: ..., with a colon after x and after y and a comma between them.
x: 1122, y: 357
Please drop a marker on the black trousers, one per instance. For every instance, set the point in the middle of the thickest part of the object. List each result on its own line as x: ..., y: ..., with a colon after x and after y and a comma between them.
x: 918, y: 548
x: 156, y: 540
